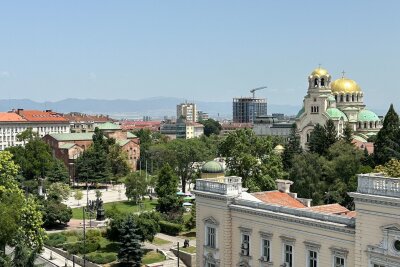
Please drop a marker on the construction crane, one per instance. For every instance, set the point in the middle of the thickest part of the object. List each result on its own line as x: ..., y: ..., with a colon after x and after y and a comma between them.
x: 253, y: 91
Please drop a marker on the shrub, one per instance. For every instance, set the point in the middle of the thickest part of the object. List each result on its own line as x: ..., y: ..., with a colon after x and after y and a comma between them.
x: 101, y: 258
x: 81, y: 248
x: 56, y: 240
x: 170, y: 228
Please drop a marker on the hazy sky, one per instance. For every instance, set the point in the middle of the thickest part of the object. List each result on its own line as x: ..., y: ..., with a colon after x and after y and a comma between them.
x: 199, y: 50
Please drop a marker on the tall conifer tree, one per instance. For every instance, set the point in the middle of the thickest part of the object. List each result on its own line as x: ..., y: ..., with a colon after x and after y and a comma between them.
x: 386, y: 145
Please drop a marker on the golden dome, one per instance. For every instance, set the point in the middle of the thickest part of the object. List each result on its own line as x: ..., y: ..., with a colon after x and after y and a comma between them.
x: 344, y: 85
x: 320, y: 72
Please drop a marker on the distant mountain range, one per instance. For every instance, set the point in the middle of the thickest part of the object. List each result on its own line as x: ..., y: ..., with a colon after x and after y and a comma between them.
x: 156, y: 107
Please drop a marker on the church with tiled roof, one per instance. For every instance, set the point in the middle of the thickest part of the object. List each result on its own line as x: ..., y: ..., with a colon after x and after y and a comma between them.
x: 342, y: 101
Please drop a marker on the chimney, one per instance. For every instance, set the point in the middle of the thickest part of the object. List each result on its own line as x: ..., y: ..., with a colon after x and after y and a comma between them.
x: 19, y: 111
x: 284, y: 185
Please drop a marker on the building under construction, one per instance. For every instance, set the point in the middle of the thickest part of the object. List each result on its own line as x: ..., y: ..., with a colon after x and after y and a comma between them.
x: 246, y: 109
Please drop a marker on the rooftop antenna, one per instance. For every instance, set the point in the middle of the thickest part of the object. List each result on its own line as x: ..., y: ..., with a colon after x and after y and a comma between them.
x: 253, y: 91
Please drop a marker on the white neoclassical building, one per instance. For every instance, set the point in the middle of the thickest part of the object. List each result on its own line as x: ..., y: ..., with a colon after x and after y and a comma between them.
x: 342, y: 101
x: 276, y: 228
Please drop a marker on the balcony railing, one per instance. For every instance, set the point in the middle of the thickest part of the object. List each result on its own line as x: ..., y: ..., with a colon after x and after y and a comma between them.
x: 231, y: 185
x: 377, y: 184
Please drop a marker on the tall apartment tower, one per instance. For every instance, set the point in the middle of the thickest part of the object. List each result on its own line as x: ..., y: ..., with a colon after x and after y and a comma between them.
x: 188, y: 111
x: 246, y: 109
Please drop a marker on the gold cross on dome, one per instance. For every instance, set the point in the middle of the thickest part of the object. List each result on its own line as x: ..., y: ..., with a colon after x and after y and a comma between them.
x: 319, y: 65
x: 343, y: 73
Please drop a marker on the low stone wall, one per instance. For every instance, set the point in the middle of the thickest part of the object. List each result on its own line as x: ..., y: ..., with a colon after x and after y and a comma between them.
x: 76, y: 259
x: 188, y: 258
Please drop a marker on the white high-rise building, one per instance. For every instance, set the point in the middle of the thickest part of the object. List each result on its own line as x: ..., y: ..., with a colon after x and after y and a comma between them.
x: 187, y: 111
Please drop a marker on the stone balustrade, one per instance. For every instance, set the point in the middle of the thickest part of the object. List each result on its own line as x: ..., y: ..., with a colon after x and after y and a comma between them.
x: 378, y: 184
x: 230, y: 186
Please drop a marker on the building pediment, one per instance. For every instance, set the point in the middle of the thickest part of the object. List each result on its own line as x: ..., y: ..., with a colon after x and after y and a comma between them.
x: 391, y: 227
x: 210, y: 220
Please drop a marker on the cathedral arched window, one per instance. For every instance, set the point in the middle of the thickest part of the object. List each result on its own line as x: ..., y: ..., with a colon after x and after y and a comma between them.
x: 375, y: 124
x: 336, y: 98
x: 357, y: 97
x: 370, y: 124
x: 347, y: 98
x: 308, y: 138
x: 365, y: 125
x: 359, y: 124
x: 322, y: 82
x: 316, y: 82
x: 352, y: 98
x: 341, y: 98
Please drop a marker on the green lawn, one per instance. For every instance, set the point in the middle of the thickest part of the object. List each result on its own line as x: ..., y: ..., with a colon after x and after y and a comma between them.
x: 189, y: 249
x: 123, y: 206
x: 152, y: 257
x: 160, y: 241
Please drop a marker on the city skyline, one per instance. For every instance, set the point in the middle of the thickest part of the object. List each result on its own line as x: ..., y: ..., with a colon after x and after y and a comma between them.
x: 199, y: 51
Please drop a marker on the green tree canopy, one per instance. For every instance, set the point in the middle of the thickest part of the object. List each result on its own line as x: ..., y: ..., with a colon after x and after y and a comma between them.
x: 20, y: 220
x: 211, y: 126
x: 252, y: 158
x: 386, y: 145
x: 130, y: 251
x: 292, y: 147
x: 136, y: 186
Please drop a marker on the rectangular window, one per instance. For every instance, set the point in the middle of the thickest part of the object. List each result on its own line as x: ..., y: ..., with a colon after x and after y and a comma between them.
x: 312, y: 258
x: 210, y: 264
x: 210, y: 237
x: 288, y: 255
x: 266, y: 252
x: 245, y: 245
x: 339, y: 261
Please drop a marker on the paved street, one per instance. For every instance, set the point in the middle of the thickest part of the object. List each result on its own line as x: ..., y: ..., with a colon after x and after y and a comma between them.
x: 115, y: 193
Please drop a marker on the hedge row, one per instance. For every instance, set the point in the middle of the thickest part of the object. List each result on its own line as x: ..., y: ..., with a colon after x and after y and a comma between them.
x: 170, y: 228
x: 101, y: 258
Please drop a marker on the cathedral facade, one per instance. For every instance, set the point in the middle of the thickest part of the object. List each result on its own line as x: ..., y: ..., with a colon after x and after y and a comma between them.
x: 342, y: 101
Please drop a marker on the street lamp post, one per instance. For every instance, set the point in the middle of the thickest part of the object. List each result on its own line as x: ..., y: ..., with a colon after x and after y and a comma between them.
x: 84, y: 238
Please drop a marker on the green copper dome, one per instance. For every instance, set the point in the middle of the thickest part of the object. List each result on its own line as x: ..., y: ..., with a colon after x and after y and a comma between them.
x: 335, y: 113
x: 331, y: 98
x: 367, y: 115
x: 301, y: 111
x: 212, y: 167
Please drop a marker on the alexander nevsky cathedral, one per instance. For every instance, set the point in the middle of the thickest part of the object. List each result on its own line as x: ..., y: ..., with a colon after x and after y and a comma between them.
x: 341, y: 101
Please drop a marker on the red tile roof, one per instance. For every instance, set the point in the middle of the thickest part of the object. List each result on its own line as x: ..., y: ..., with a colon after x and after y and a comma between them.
x: 330, y: 209
x: 81, y: 117
x: 40, y: 116
x: 10, y: 117
x: 279, y: 198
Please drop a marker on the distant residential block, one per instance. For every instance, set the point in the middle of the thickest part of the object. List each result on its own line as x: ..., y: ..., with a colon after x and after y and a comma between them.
x: 187, y: 111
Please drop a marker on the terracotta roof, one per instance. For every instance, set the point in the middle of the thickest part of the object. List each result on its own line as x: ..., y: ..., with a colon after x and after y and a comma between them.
x: 279, y: 198
x: 42, y: 116
x: 330, y: 209
x: 10, y: 117
x: 80, y: 117
x: 351, y: 214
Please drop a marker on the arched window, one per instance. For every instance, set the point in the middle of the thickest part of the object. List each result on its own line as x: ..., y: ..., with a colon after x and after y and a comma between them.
x: 308, y: 137
x: 316, y: 82
x: 352, y: 98
x: 341, y: 98
x: 370, y: 124
x: 347, y: 98
x: 376, y: 124
x: 359, y: 124
x: 336, y: 98
x: 365, y: 125
x: 357, y: 97
x: 322, y: 82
